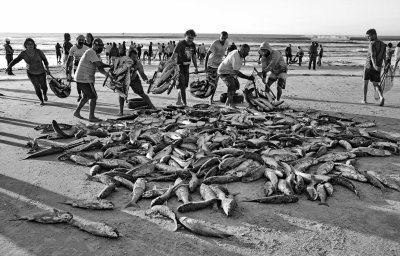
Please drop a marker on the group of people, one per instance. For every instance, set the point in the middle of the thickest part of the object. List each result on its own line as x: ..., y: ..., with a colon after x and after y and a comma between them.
x: 82, y: 60
x: 315, y: 51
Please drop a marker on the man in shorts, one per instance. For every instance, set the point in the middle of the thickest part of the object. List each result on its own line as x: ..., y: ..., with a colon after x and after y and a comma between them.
x: 75, y: 54
x: 373, y: 65
x: 272, y: 61
x: 84, y: 77
x: 136, y: 84
x: 228, y: 71
x: 184, y: 53
x: 214, y: 57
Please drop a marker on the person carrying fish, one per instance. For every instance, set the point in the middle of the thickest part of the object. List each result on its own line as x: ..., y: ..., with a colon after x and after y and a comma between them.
x: 75, y: 54
x: 373, y: 65
x: 214, y: 57
x: 84, y: 78
x: 184, y: 53
x: 229, y: 68
x: 136, y: 84
x: 272, y: 61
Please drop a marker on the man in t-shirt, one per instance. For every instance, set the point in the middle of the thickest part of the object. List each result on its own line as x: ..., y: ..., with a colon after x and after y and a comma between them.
x: 66, y: 46
x: 184, y: 53
x: 75, y: 54
x: 373, y: 65
x: 229, y: 68
x: 84, y: 77
x: 214, y: 57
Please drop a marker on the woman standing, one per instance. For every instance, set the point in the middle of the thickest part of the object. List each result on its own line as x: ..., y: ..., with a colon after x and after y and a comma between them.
x: 34, y: 59
x: 89, y: 40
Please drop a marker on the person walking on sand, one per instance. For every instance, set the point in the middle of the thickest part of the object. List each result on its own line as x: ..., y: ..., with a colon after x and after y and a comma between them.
x: 84, y: 77
x: 66, y: 46
x: 300, y: 54
x: 320, y: 54
x: 184, y: 53
x: 229, y: 70
x: 89, y: 40
x: 139, y: 50
x: 397, y: 57
x: 150, y: 52
x: 58, y: 53
x: 75, y: 54
x: 214, y: 57
x: 136, y: 84
x: 373, y: 64
x: 9, y: 54
x: 272, y: 61
x: 35, y: 70
x: 312, y: 53
x: 288, y: 54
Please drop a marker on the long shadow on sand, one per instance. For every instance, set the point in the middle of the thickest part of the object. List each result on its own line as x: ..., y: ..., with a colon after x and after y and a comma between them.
x: 19, y: 120
x: 139, y: 237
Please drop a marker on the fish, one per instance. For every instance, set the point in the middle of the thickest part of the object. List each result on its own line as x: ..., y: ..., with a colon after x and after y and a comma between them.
x: 46, y: 152
x: 124, y: 182
x: 269, y: 188
x: 95, y: 169
x: 271, y: 176
x: 374, y: 181
x: 228, y: 204
x: 221, y: 179
x: 153, y: 193
x: 47, y: 217
x: 338, y: 156
x: 342, y: 181
x: 208, y: 165
x: 319, y: 178
x: 277, y: 199
x: 322, y: 194
x: 285, y: 187
x: 321, y: 151
x: 197, y: 205
x: 164, y: 211
x: 181, y: 163
x: 311, y: 191
x: 346, y: 145
x: 102, y: 178
x: 254, y: 174
x: 199, y: 228
x: 225, y: 151
x: 95, y: 228
x: 230, y: 163
x: 62, y: 133
x: 244, y: 166
x: 207, y: 194
x: 303, y: 164
x: 182, y: 192
x: 91, y: 204
x: 164, y: 197
x: 299, y: 186
x: 385, y: 180
x: 366, y: 151
x: 106, y: 191
x: 194, y: 182
x: 325, y: 168
x: 138, y: 188
x: 329, y: 188
x: 164, y: 152
x: 350, y: 172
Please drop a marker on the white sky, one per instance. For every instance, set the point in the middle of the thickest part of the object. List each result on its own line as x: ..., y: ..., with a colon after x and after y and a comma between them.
x: 339, y: 17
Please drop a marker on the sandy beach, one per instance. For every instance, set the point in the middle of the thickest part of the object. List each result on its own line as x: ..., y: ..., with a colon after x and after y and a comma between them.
x: 349, y: 226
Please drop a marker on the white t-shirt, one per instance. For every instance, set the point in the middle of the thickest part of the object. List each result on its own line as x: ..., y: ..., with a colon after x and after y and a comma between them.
x: 217, y: 53
x: 77, y: 53
x: 86, y: 68
x: 231, y: 63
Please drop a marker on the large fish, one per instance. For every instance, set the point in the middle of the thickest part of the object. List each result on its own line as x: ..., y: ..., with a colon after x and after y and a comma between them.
x: 221, y: 179
x: 269, y: 188
x: 138, y: 188
x: 164, y: 211
x: 182, y: 192
x: 285, y: 187
x: 325, y: 168
x: 208, y: 194
x: 200, y: 228
x: 91, y: 204
x: 106, y: 191
x: 366, y: 151
x: 95, y: 228
x: 271, y: 176
x: 254, y: 174
x: 311, y: 191
x: 194, y: 182
x: 342, y: 181
x: 197, y: 205
x: 385, y: 180
x: 46, y: 217
x: 322, y: 194
x: 228, y: 204
x: 277, y: 199
x: 374, y: 181
x: 337, y: 156
x: 164, y: 197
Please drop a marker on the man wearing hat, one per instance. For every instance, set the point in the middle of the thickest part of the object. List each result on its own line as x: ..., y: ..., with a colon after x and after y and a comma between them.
x: 75, y: 54
x: 9, y: 54
x: 272, y: 61
x: 84, y: 78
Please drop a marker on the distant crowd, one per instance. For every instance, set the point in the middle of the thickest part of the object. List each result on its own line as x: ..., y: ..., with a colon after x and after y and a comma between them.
x: 221, y: 61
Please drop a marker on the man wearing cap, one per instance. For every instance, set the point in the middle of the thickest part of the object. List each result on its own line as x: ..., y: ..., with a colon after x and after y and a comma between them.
x: 84, y: 77
x: 75, y: 54
x: 229, y: 68
x: 214, y: 57
x: 272, y: 61
x: 9, y: 54
x: 373, y: 65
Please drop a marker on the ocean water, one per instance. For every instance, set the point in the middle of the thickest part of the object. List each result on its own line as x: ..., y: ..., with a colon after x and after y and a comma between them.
x: 338, y: 50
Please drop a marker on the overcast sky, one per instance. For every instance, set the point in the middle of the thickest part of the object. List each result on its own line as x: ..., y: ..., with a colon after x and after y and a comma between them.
x: 334, y: 17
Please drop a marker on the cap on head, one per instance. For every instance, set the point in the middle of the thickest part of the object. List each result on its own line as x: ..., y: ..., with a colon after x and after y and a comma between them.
x: 98, y: 41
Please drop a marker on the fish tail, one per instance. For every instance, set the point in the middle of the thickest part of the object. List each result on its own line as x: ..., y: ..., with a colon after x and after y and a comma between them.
x: 131, y: 204
x: 326, y: 204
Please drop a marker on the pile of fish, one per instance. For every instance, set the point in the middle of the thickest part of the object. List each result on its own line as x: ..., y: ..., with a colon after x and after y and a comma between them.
x: 201, y: 147
x: 202, y: 88
x: 165, y: 78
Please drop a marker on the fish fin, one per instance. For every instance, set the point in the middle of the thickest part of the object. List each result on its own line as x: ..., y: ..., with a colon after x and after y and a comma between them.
x: 326, y: 204
x: 130, y: 204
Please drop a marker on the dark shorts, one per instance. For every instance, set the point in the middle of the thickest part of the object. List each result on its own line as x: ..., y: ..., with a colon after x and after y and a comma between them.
x: 231, y: 82
x: 136, y: 86
x: 88, y: 90
x: 372, y: 75
x: 183, y: 76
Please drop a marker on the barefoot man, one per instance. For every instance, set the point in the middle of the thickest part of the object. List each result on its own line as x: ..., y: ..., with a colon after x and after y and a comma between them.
x: 214, y: 57
x: 373, y: 66
x: 84, y: 78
